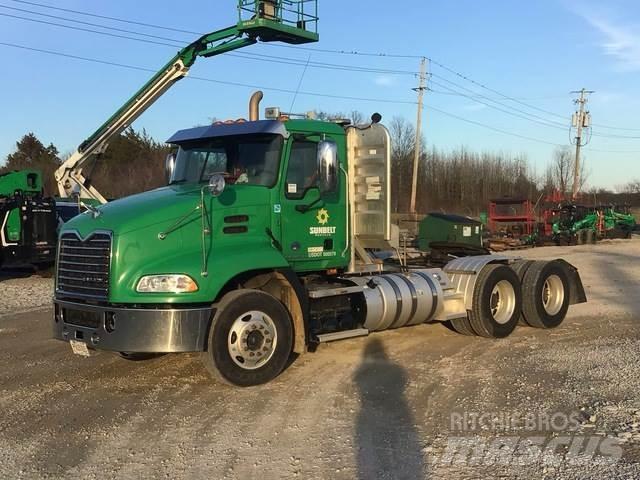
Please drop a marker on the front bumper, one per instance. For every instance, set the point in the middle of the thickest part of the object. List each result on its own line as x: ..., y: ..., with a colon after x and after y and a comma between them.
x: 135, y: 330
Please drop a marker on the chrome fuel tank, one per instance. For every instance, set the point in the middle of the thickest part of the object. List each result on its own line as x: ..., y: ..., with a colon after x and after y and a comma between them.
x: 399, y: 299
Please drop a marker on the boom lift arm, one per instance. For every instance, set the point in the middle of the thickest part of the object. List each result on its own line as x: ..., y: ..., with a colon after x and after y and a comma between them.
x: 289, y: 21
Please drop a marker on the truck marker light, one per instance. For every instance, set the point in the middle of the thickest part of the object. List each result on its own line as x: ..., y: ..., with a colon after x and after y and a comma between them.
x: 174, y: 283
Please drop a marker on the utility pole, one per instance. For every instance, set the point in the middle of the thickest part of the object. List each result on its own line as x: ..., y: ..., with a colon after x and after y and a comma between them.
x: 416, y: 155
x: 581, y: 119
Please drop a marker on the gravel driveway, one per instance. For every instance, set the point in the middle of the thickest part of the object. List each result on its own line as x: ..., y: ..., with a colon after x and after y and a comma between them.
x: 413, y: 403
x: 23, y: 291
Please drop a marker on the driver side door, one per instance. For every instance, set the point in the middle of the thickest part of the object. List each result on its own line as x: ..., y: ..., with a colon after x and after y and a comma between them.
x: 313, y: 225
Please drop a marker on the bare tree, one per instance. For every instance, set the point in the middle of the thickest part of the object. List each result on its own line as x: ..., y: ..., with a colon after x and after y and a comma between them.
x: 560, y: 173
x: 355, y: 116
x: 403, y: 140
x: 633, y: 187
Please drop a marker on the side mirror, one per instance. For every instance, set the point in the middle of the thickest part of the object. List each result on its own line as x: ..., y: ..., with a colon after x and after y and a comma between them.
x: 217, y: 184
x: 327, y: 166
x: 170, y: 166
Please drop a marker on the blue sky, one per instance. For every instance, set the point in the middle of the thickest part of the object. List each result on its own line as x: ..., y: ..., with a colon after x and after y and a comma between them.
x: 536, y: 52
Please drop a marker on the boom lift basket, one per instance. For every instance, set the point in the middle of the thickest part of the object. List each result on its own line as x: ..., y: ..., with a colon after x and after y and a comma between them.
x: 288, y: 21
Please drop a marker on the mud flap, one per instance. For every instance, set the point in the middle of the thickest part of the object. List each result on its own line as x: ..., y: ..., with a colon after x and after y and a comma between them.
x: 577, y: 293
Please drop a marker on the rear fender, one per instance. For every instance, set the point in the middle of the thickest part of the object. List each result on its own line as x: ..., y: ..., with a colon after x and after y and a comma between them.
x: 576, y: 289
x: 463, y: 273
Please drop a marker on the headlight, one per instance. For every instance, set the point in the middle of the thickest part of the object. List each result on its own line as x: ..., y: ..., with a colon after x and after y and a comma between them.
x: 167, y: 284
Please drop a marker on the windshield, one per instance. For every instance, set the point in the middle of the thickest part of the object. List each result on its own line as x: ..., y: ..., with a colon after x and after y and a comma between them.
x: 249, y: 160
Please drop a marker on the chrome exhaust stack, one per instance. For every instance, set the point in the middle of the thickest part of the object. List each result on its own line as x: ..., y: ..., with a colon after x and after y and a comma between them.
x: 254, y: 106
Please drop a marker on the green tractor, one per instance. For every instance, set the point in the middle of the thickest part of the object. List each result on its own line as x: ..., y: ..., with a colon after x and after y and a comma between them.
x: 618, y: 221
x: 586, y: 225
x: 28, y: 220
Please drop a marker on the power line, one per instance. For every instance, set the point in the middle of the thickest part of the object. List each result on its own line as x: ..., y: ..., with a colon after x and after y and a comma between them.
x: 525, y: 115
x: 105, y: 17
x: 56, y: 17
x: 322, y: 65
x: 616, y: 128
x: 318, y: 50
x: 314, y: 94
x: 508, y: 112
x: 88, y: 30
x: 495, y: 129
x: 133, y: 67
x: 530, y: 99
x: 248, y: 56
x: 205, y: 79
x: 533, y: 115
x: 347, y: 52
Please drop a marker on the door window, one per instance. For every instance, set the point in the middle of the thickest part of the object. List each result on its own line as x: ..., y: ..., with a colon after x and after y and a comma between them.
x: 302, y: 173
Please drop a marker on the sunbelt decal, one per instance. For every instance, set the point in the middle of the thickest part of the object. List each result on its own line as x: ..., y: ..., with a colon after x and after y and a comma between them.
x: 323, y: 231
x: 323, y: 216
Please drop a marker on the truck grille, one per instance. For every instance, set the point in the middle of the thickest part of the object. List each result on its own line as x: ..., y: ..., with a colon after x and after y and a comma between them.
x: 83, y: 266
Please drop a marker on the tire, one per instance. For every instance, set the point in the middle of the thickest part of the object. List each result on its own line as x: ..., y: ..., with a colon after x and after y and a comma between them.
x: 590, y: 237
x: 497, y: 301
x: 462, y: 326
x: 235, y: 354
x: 521, y: 267
x: 139, y: 357
x: 546, y: 294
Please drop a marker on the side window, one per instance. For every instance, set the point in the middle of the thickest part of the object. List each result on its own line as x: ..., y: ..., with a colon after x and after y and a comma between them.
x: 302, y: 173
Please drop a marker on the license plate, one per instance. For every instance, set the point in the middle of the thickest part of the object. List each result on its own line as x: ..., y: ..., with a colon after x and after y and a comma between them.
x: 80, y: 348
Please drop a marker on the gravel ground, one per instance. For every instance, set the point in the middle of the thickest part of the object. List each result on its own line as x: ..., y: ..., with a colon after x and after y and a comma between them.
x: 399, y: 404
x: 25, y: 293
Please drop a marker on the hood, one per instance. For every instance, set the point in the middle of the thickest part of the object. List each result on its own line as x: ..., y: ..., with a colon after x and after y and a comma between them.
x: 139, y: 211
x: 165, y: 206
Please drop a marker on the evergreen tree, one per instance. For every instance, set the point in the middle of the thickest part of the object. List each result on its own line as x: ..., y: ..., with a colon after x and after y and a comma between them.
x: 32, y: 154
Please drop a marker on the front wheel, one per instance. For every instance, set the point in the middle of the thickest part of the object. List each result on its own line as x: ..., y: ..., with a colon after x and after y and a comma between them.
x: 250, y: 339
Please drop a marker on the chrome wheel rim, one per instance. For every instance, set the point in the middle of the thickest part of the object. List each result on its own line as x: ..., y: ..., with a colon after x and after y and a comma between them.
x: 552, y: 295
x: 502, y: 302
x: 252, y: 340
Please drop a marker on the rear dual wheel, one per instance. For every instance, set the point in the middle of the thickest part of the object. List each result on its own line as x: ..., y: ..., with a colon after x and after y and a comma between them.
x: 546, y: 294
x: 496, y: 303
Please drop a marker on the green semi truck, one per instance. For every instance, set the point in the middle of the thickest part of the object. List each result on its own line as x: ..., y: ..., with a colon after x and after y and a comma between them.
x: 261, y: 247
x: 27, y: 220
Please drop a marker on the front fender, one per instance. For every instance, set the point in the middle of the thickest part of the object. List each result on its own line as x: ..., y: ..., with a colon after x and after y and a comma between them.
x: 224, y: 263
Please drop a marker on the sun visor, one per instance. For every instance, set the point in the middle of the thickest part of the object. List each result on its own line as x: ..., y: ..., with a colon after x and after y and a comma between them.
x: 264, y: 127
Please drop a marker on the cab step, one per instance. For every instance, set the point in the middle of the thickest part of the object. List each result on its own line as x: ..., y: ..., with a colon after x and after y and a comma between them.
x: 331, y: 337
